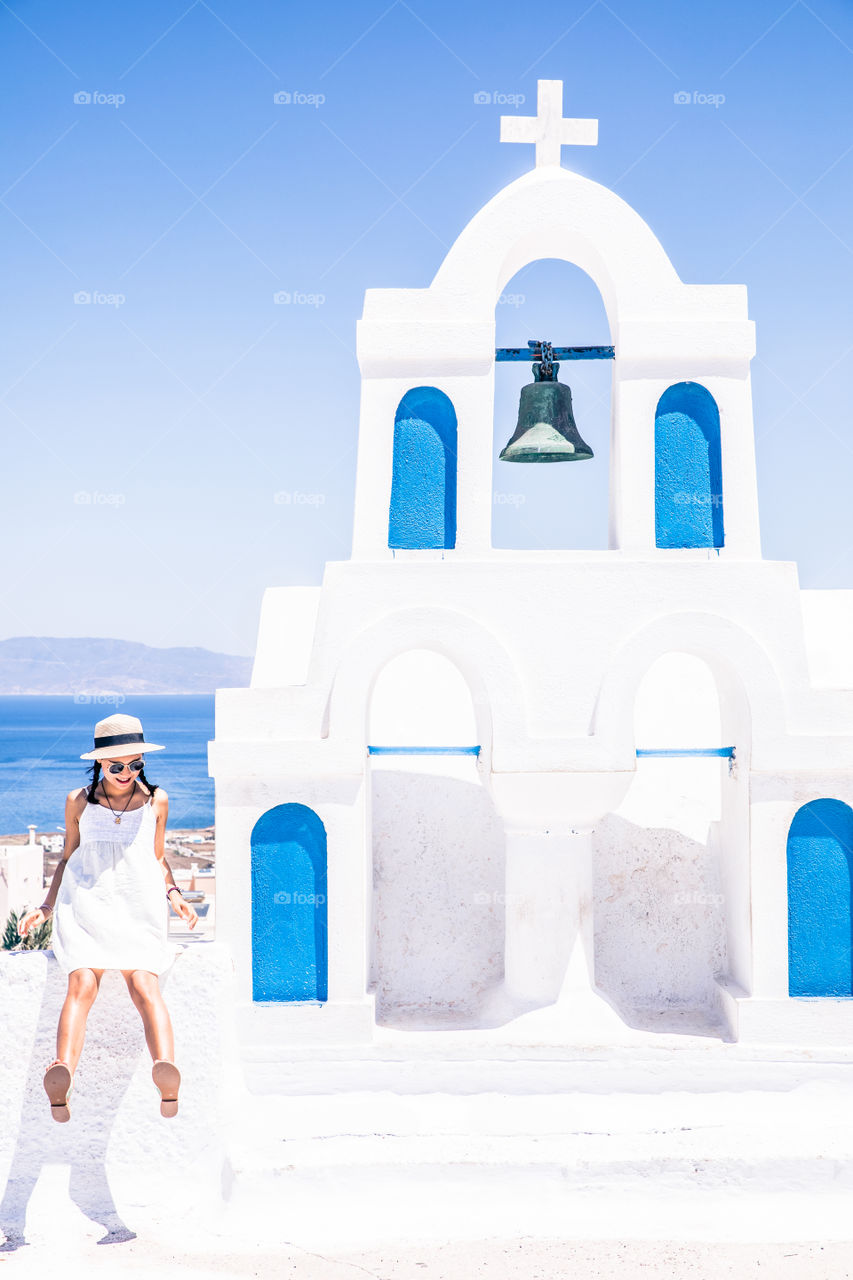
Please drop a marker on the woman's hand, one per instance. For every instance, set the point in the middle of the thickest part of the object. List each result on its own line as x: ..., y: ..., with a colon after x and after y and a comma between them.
x: 32, y: 920
x: 184, y: 909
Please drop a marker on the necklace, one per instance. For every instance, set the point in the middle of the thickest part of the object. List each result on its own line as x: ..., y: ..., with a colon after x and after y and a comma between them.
x: 129, y: 798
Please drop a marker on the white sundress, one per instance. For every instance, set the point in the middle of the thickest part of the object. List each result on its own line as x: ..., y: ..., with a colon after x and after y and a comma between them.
x: 111, y: 910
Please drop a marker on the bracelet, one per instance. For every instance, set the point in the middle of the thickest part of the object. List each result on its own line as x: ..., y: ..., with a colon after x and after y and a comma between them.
x: 44, y: 907
x: 173, y: 889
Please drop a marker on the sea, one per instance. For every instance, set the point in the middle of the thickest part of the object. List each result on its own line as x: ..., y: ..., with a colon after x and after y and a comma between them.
x: 42, y: 737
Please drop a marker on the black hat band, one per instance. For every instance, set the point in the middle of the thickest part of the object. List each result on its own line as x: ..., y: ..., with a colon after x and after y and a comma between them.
x: 116, y: 739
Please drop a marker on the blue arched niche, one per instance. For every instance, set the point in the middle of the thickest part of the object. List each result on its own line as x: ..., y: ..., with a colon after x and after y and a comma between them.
x: 289, y: 900
x: 423, y: 486
x: 688, y: 468
x: 820, y: 857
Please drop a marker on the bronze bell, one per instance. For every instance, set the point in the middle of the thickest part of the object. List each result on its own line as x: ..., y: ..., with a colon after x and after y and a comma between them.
x: 546, y: 430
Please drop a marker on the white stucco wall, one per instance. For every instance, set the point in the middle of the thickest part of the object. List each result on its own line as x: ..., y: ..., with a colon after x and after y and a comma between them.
x: 828, y: 630
x: 124, y: 1162
x: 438, y: 882
x: 659, y: 917
x: 557, y: 654
x: 285, y: 636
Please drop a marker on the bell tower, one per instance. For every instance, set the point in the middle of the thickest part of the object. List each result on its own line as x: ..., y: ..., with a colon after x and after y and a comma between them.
x: 435, y: 799
x: 682, y: 463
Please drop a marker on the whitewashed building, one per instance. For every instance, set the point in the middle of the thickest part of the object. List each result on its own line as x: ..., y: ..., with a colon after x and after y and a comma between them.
x: 21, y: 877
x: 424, y: 820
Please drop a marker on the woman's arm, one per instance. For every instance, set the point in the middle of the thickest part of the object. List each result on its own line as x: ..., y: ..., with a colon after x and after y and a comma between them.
x: 161, y: 812
x: 178, y: 903
x: 74, y: 803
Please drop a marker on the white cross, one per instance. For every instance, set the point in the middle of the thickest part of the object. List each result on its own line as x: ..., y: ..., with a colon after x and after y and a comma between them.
x: 547, y: 128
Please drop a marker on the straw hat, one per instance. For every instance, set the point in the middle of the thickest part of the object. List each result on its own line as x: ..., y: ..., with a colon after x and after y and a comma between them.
x: 116, y: 732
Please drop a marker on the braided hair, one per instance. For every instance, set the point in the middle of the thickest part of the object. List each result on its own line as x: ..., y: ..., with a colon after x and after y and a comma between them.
x: 95, y: 771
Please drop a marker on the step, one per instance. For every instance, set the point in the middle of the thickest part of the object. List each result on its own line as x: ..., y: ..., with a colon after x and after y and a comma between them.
x: 436, y: 1066
x: 772, y: 1125
x: 754, y: 1149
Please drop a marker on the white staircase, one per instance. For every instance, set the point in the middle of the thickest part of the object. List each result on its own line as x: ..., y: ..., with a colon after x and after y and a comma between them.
x: 451, y: 1142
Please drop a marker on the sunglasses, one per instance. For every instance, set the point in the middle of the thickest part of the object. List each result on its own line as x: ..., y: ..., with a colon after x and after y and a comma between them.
x: 135, y: 766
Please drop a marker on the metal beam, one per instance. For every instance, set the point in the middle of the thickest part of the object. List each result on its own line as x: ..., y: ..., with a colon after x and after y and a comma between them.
x: 534, y: 352
x: 423, y: 751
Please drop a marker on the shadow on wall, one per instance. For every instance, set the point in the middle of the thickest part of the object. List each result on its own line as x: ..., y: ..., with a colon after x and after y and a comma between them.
x: 101, y: 1081
x: 438, y: 899
x: 659, y: 924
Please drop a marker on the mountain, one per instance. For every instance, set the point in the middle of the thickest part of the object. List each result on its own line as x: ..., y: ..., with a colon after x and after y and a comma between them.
x: 45, y: 664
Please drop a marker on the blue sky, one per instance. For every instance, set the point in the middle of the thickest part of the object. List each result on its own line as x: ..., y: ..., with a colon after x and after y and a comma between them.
x: 147, y: 433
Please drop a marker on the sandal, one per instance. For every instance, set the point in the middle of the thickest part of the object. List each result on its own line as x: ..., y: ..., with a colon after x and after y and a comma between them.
x: 167, y: 1081
x: 57, y: 1086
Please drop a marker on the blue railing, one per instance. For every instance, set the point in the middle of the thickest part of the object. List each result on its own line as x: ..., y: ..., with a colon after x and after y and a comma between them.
x: 423, y: 751
x: 475, y: 751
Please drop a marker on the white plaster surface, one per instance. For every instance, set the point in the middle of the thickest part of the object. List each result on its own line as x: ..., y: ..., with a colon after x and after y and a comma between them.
x: 117, y: 1156
x: 285, y: 636
x: 659, y: 923
x: 438, y: 891
x: 828, y: 630
x: 415, y: 1156
x: 665, y: 654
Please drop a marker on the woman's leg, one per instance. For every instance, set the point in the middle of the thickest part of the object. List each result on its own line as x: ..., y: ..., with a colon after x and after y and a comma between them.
x: 144, y: 988
x: 83, y: 985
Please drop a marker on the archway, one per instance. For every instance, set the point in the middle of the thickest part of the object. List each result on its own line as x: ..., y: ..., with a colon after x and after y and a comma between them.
x: 564, y: 505
x: 289, y: 905
x: 437, y: 848
x: 660, y: 905
x: 820, y: 861
x: 677, y: 710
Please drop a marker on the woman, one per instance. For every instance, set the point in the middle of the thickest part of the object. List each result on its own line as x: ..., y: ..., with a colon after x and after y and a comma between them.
x: 106, y: 898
